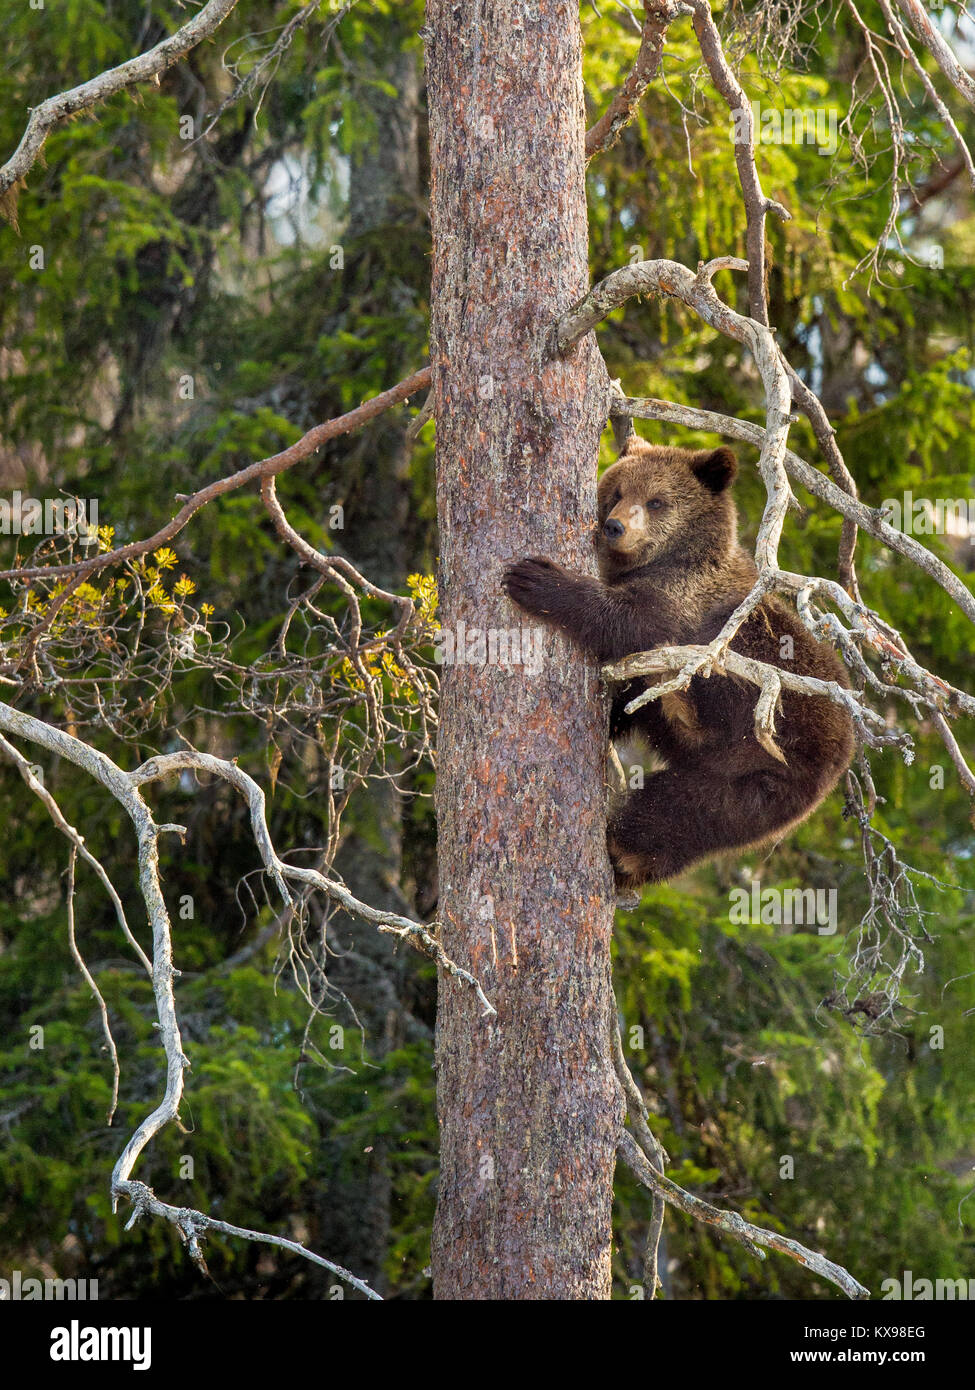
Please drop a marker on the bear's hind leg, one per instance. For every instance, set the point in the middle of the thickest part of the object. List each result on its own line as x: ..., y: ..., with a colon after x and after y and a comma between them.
x: 687, y: 814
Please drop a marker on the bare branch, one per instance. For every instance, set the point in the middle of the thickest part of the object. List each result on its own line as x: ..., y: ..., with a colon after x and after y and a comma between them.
x: 334, y: 567
x: 621, y: 110
x: 644, y: 1155
x: 877, y: 63
x: 142, y: 68
x: 652, y: 1149
x: 389, y: 922
x: 77, y: 840
x: 732, y: 1223
x: 757, y: 205
x: 812, y: 408
x: 125, y: 787
x: 696, y: 291
x: 888, y: 939
x: 194, y: 1226
x: 907, y: 51
x: 938, y: 46
x: 718, y: 658
x: 248, y: 84
x: 79, y: 960
x: 965, y: 774
x: 277, y: 463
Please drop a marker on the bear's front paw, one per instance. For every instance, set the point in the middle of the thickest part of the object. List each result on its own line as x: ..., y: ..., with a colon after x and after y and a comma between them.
x: 532, y: 583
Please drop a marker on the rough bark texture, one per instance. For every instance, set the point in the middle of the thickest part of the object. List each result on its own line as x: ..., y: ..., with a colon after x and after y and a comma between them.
x: 529, y: 1111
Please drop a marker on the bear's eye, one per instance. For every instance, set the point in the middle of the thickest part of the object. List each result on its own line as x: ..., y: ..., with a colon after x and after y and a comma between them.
x: 655, y: 503
x: 614, y: 501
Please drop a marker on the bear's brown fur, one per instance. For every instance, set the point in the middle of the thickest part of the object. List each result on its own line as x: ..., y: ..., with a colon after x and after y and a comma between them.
x: 671, y: 573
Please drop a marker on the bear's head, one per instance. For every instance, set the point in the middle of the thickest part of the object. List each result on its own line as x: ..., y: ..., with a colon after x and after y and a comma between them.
x: 656, y: 501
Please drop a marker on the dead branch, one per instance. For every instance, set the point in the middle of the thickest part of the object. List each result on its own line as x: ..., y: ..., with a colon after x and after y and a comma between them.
x: 696, y: 291
x: 194, y: 1226
x: 964, y: 160
x: 125, y: 788
x: 718, y: 658
x: 89, y: 979
x: 658, y: 15
x: 654, y: 1152
x: 757, y: 205
x: 264, y: 468
x: 731, y: 1222
x: 142, y: 68
x: 247, y: 85
x: 938, y: 46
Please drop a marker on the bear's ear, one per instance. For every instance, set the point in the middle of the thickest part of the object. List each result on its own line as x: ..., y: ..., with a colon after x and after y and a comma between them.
x: 715, y: 468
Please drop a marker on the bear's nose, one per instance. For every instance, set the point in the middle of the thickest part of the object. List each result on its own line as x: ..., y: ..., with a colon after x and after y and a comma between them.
x: 613, y: 529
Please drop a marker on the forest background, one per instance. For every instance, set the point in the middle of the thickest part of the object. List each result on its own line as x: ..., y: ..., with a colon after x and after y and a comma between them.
x: 282, y: 266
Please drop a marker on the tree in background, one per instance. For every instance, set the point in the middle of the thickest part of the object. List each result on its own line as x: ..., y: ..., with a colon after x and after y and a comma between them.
x: 719, y: 1017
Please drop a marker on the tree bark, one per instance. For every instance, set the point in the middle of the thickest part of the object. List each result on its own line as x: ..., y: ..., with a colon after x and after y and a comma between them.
x: 528, y: 1107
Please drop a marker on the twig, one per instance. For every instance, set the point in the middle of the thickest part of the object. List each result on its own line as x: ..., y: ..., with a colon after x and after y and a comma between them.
x: 757, y: 205
x: 247, y: 84
x: 653, y: 1151
x: 40, y: 791
x: 965, y: 154
x: 90, y: 981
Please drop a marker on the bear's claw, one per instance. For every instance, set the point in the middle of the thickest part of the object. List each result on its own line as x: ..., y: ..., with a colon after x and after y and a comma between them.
x: 529, y: 582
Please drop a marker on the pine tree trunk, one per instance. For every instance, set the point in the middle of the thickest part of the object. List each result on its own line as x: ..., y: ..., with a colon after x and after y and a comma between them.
x: 528, y: 1107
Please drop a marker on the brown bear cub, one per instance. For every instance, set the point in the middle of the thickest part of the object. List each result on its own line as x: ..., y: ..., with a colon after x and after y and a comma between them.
x: 671, y: 572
